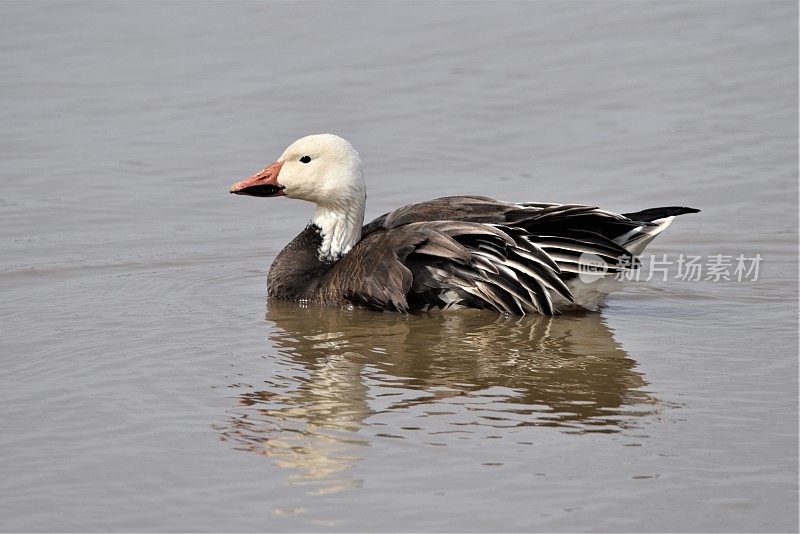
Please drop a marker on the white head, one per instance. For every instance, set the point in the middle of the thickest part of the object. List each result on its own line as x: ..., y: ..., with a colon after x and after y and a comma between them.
x: 326, y: 170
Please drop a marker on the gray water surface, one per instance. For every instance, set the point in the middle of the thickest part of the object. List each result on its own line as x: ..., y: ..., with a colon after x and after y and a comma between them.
x: 146, y: 384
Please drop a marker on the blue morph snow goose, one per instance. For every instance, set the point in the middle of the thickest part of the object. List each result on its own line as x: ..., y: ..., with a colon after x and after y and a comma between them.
x: 446, y: 253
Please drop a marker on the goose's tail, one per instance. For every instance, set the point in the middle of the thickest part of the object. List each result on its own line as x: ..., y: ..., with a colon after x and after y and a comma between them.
x: 654, y: 221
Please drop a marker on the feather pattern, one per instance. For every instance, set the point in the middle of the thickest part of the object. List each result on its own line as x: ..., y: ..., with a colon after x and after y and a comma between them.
x: 468, y: 251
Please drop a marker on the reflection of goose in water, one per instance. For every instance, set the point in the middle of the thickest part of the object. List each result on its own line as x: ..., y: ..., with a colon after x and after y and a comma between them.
x: 348, y: 373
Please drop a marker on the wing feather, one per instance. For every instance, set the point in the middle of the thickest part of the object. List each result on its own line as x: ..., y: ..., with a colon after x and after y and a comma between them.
x: 512, y: 257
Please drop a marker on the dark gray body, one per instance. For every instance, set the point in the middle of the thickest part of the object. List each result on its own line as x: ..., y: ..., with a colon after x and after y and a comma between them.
x: 464, y: 251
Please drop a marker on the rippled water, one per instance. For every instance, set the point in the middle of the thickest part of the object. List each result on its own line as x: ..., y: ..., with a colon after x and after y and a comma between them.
x: 148, y: 385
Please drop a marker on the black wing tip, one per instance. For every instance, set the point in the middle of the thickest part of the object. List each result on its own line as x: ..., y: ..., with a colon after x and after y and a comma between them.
x: 651, y: 214
x: 685, y: 209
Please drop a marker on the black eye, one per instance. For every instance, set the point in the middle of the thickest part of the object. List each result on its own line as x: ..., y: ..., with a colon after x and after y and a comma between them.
x: 305, y: 159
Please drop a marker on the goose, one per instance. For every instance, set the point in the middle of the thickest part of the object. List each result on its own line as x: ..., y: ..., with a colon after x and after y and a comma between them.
x: 446, y: 253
